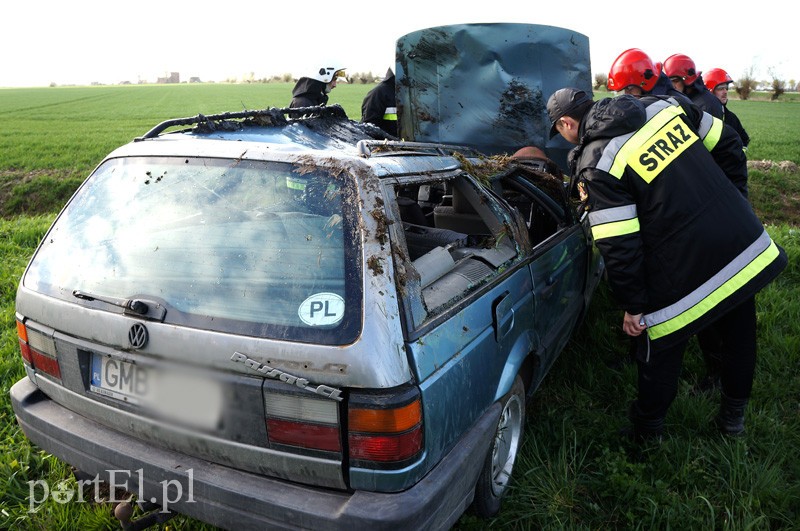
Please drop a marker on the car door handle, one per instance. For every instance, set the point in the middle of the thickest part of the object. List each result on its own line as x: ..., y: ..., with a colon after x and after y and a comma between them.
x: 503, y: 315
x: 549, y: 287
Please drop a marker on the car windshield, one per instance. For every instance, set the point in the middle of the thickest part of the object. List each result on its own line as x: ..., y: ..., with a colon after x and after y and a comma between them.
x: 262, y: 249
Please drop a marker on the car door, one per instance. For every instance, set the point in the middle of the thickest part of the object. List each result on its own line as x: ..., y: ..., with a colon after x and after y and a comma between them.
x: 468, y: 299
x: 560, y: 258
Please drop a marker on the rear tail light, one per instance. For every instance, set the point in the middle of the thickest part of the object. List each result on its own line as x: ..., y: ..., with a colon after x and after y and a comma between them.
x: 302, y: 421
x: 38, y: 350
x: 385, y: 428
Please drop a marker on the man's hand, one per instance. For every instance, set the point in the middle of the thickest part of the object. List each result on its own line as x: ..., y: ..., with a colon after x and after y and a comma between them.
x: 631, y: 326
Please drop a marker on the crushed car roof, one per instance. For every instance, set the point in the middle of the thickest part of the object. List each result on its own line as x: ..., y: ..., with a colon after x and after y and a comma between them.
x: 286, y: 134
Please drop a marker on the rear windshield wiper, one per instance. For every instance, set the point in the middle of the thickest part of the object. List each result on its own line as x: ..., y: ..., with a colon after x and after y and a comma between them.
x: 140, y: 307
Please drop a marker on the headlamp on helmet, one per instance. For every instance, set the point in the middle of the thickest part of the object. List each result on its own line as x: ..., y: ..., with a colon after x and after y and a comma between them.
x: 327, y: 73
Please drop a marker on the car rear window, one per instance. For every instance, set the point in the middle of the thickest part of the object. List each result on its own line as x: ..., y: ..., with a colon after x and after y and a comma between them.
x: 255, y: 248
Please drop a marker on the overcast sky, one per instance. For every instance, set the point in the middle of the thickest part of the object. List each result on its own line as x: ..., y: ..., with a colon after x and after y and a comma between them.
x: 84, y: 41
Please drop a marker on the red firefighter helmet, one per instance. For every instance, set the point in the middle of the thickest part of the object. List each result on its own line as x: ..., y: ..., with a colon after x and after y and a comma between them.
x: 633, y: 67
x: 680, y: 65
x: 716, y: 76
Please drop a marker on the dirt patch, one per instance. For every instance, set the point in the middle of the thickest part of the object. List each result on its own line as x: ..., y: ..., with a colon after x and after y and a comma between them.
x: 764, y: 165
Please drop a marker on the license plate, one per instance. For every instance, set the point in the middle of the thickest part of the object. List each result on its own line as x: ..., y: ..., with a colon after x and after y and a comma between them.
x: 119, y: 379
x: 187, y: 398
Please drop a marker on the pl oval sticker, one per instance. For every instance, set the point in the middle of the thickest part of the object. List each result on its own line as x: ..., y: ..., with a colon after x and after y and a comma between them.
x: 322, y: 309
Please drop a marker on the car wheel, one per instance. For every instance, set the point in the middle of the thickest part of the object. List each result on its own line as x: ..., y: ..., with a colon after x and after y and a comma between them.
x: 496, y: 473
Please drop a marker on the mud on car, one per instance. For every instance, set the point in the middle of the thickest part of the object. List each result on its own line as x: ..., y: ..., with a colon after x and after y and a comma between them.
x: 301, y: 321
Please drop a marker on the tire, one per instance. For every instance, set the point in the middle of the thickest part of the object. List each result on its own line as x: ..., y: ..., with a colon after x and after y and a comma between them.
x: 499, y: 463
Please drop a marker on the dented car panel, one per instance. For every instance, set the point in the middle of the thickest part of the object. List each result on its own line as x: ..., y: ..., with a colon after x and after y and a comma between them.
x: 494, y: 99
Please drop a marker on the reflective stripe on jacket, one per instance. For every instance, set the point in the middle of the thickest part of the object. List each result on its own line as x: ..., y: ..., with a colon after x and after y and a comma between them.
x: 379, y: 106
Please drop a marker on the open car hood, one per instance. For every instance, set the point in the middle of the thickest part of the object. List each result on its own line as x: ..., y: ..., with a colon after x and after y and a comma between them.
x: 486, y: 85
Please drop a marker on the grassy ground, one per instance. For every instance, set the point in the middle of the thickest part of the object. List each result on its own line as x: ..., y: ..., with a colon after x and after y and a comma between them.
x: 573, y: 472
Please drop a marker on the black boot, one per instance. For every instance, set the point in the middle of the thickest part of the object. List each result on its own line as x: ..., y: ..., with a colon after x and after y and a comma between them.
x: 730, y: 419
x: 644, y: 431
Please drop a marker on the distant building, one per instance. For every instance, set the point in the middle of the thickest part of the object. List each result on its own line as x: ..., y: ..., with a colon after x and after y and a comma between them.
x: 174, y: 77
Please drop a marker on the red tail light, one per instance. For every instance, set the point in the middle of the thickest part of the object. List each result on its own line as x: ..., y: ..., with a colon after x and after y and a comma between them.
x: 38, y: 350
x: 304, y: 435
x: 46, y: 364
x: 386, y: 448
x: 303, y: 421
x: 385, y: 429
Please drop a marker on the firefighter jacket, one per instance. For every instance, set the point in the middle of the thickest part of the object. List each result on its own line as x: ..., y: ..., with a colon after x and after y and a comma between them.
x: 733, y: 121
x: 704, y: 98
x: 680, y: 243
x: 380, y: 105
x: 308, y: 92
x: 663, y: 87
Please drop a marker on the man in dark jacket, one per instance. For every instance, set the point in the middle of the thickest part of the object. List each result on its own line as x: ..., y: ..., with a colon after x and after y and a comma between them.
x: 634, y: 73
x: 717, y: 81
x: 682, y: 72
x: 313, y: 89
x: 684, y: 76
x: 380, y: 105
x: 682, y: 246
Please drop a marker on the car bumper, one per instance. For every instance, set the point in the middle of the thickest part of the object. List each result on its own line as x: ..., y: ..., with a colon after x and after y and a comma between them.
x: 231, y: 498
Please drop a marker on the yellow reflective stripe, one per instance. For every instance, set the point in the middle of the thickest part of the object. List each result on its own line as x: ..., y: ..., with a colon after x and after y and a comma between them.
x: 641, y: 136
x: 390, y: 114
x: 618, y: 228
x: 714, y: 134
x: 715, y: 297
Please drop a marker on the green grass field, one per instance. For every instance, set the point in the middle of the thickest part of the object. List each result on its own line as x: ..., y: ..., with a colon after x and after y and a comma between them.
x: 70, y: 129
x: 73, y: 128
x: 573, y: 472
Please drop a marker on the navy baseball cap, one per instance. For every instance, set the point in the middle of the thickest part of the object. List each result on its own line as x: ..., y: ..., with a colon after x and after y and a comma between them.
x: 562, y: 102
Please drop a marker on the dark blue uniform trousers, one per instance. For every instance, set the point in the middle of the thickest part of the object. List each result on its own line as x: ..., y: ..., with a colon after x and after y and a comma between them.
x: 659, y: 376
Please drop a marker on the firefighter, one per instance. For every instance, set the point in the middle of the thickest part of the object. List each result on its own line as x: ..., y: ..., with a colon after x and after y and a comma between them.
x: 380, y: 105
x: 685, y: 78
x: 717, y: 81
x: 682, y: 247
x: 634, y: 73
x: 313, y: 89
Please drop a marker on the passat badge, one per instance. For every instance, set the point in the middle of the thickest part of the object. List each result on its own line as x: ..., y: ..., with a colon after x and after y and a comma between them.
x: 322, y: 309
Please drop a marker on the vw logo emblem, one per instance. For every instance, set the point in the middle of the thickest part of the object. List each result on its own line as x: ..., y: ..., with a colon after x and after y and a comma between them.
x: 137, y: 336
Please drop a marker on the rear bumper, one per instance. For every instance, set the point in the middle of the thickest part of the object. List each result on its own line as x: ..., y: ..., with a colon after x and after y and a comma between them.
x: 231, y: 498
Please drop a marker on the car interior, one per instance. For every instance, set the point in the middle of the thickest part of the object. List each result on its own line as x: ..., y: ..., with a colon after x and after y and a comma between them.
x: 456, y: 240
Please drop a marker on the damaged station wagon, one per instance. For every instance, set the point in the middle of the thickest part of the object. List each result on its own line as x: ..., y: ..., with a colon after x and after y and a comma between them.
x: 316, y: 325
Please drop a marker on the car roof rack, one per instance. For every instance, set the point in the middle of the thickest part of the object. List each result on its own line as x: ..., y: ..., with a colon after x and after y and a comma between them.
x: 272, y: 116
x: 378, y: 148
